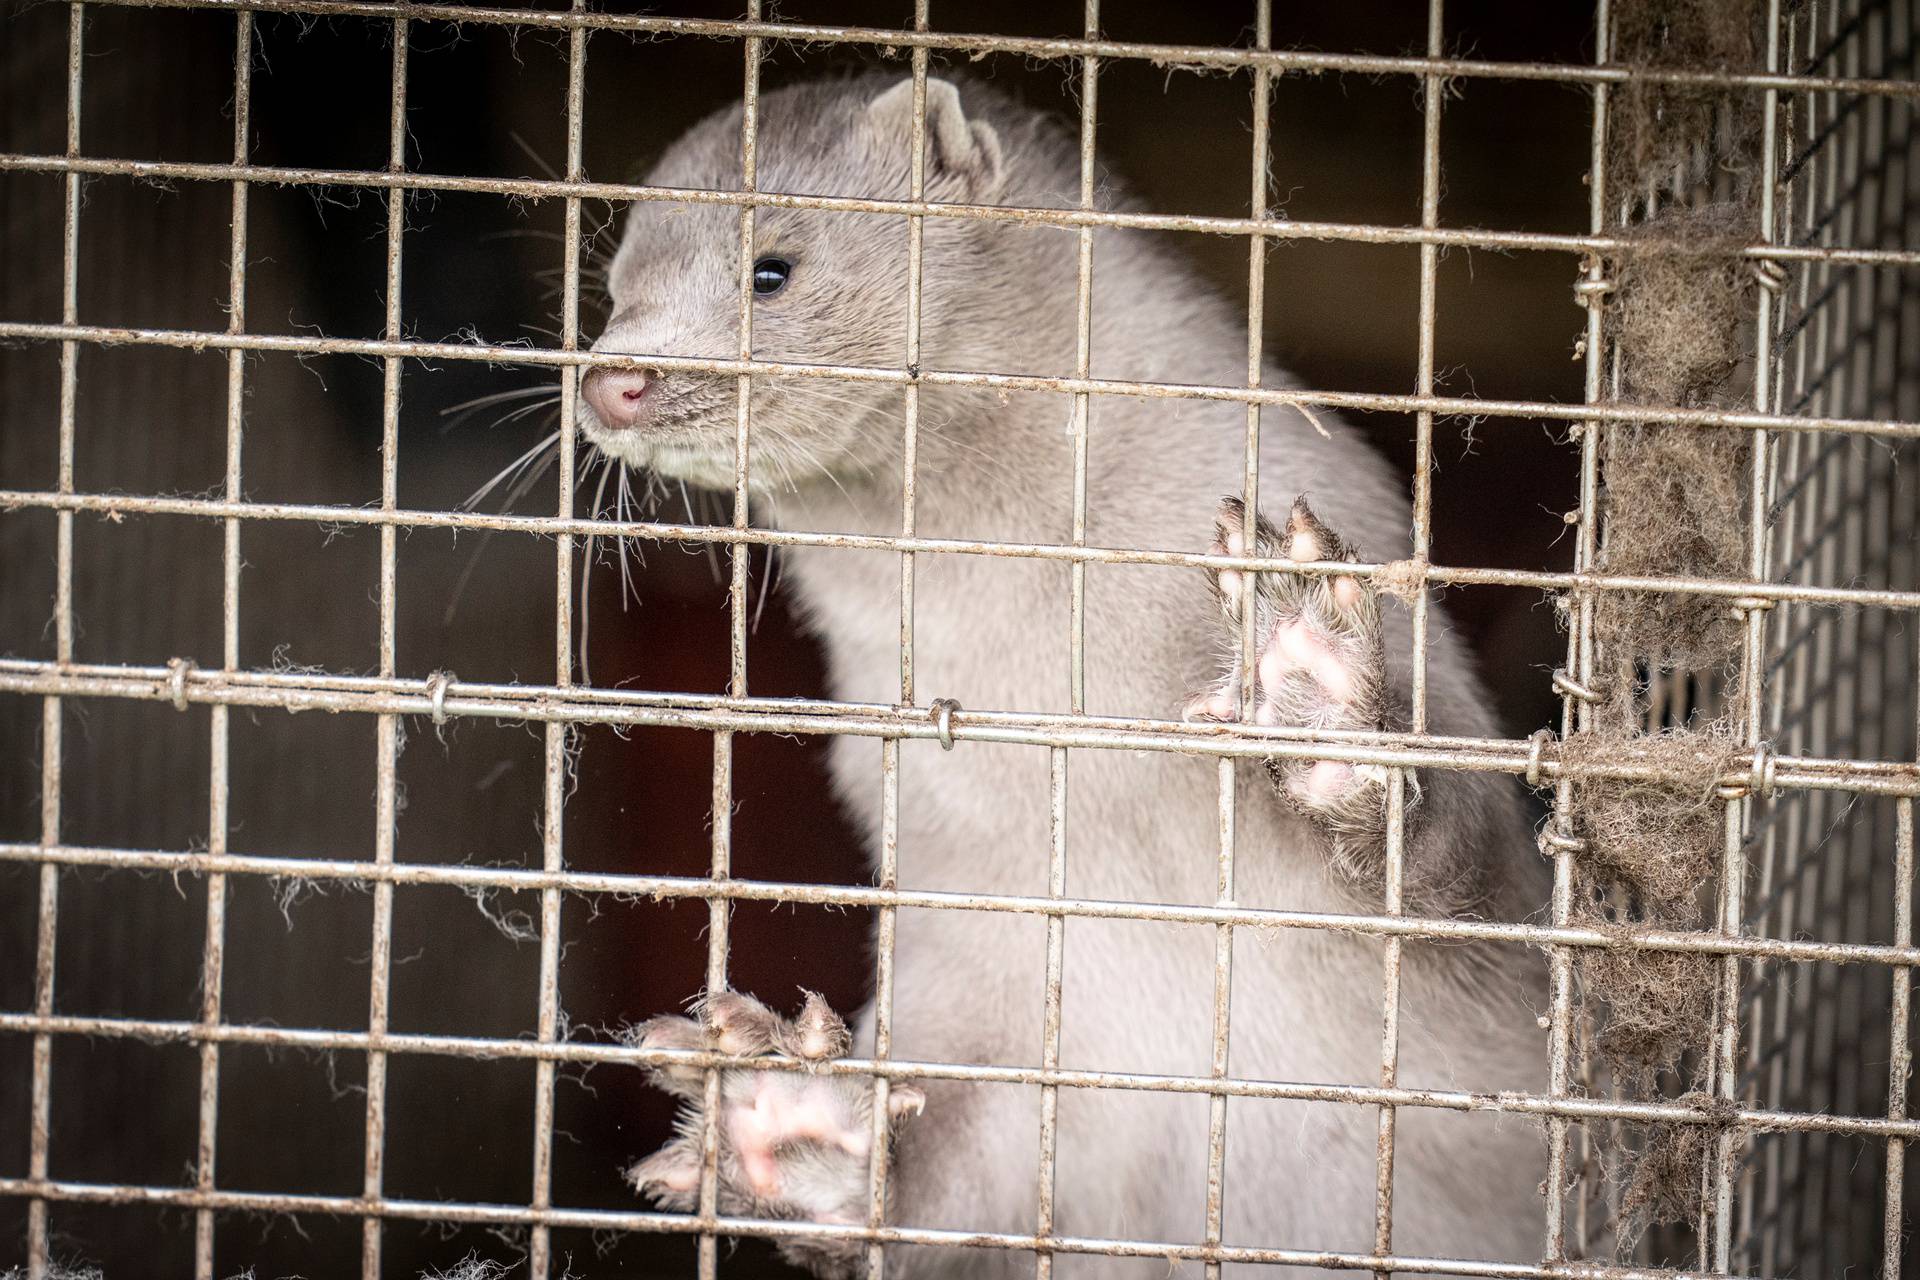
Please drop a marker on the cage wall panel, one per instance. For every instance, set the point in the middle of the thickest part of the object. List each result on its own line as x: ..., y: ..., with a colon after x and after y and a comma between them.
x: 159, y: 454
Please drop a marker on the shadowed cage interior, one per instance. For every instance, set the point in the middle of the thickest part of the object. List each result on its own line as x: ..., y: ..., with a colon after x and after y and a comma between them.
x: 315, y: 955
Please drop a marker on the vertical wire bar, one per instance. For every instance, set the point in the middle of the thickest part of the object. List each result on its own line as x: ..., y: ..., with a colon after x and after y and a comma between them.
x: 1057, y: 756
x: 558, y: 736
x: 1422, y: 550
x: 718, y: 917
x: 749, y: 165
x: 1817, y: 342
x: 1256, y: 326
x: 910, y: 430
x: 1429, y: 292
x: 1790, y: 1016
x: 1050, y: 1035
x: 40, y: 1127
x: 213, y: 961
x: 1900, y: 1057
x: 1222, y: 992
x: 719, y: 909
x: 1774, y: 1026
x: 1082, y: 362
x: 1733, y: 869
x: 1836, y: 731
x: 386, y: 793
x: 1574, y: 713
x: 1077, y: 681
x: 1900, y: 1050
x: 888, y: 871
x: 1226, y: 777
x: 1783, y: 844
x: 887, y: 877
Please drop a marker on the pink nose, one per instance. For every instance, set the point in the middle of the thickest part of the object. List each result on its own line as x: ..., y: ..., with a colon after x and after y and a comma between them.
x: 619, y: 396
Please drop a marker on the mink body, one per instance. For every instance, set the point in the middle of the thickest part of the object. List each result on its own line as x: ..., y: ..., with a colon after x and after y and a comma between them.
x: 993, y: 633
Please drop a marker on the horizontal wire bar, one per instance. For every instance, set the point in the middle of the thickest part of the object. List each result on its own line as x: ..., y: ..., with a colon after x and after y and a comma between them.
x: 1363, y: 402
x: 691, y: 1224
x: 1511, y: 1102
x: 1173, y: 56
x: 1266, y: 228
x: 676, y: 888
x: 182, y: 682
x: 116, y: 506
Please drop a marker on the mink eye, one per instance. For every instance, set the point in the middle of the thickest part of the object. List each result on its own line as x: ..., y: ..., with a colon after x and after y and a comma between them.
x: 770, y: 276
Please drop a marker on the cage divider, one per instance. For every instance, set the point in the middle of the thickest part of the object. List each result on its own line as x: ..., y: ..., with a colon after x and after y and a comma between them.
x: 213, y: 957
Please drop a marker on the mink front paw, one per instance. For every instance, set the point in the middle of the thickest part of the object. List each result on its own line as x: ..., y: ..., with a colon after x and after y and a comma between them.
x: 1319, y: 663
x: 792, y: 1144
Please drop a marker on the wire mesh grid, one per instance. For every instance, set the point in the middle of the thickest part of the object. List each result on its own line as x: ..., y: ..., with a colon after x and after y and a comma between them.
x: 1819, y: 809
x: 1816, y: 1041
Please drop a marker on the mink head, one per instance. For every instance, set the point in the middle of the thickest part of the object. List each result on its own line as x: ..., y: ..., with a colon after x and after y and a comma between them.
x: 828, y: 286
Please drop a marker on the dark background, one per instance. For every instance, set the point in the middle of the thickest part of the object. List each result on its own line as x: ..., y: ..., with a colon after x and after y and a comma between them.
x: 151, y: 421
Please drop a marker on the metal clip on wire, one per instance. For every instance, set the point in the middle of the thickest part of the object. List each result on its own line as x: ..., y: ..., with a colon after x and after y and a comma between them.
x: 1567, y: 685
x: 1771, y: 275
x: 177, y: 672
x: 941, y: 711
x: 1551, y: 840
x: 437, y: 694
x: 1536, y: 750
x: 1759, y: 780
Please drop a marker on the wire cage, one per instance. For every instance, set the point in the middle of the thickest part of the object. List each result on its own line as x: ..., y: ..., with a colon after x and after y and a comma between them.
x: 161, y: 826
x: 1795, y: 1202
x: 1842, y: 181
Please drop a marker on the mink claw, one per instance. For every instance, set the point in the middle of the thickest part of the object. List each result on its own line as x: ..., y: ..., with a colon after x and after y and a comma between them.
x: 817, y: 1034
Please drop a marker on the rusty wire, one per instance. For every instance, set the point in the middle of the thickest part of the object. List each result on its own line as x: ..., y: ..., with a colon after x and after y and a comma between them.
x: 1779, y: 424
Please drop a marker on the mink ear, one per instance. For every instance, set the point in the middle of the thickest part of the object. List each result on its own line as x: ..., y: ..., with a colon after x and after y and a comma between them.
x: 963, y: 156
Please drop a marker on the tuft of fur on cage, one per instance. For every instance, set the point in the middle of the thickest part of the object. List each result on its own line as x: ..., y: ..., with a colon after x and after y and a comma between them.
x: 1657, y: 129
x: 1675, y: 495
x: 1655, y: 838
x: 1675, y: 507
x: 1668, y: 1176
x: 1650, y: 846
x: 1683, y: 300
x: 1679, y: 324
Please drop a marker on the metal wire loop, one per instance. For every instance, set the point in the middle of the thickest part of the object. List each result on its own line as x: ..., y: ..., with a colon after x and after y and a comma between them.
x: 1560, y: 842
x: 1567, y: 685
x: 177, y: 671
x: 941, y: 710
x: 1764, y: 758
x: 1770, y: 273
x: 1536, y: 750
x: 437, y: 694
x: 1592, y: 292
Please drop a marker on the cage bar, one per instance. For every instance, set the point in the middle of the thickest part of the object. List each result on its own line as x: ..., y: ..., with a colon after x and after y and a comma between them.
x: 1060, y: 48
x: 1810, y: 864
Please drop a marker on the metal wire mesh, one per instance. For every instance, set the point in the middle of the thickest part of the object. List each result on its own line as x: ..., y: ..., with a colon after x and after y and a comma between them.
x: 1814, y: 923
x: 1817, y: 1040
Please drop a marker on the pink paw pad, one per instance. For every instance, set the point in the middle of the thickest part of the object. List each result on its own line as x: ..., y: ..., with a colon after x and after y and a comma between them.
x: 1295, y: 647
x: 778, y: 1117
x: 1328, y: 779
x: 792, y: 1142
x: 1319, y: 661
